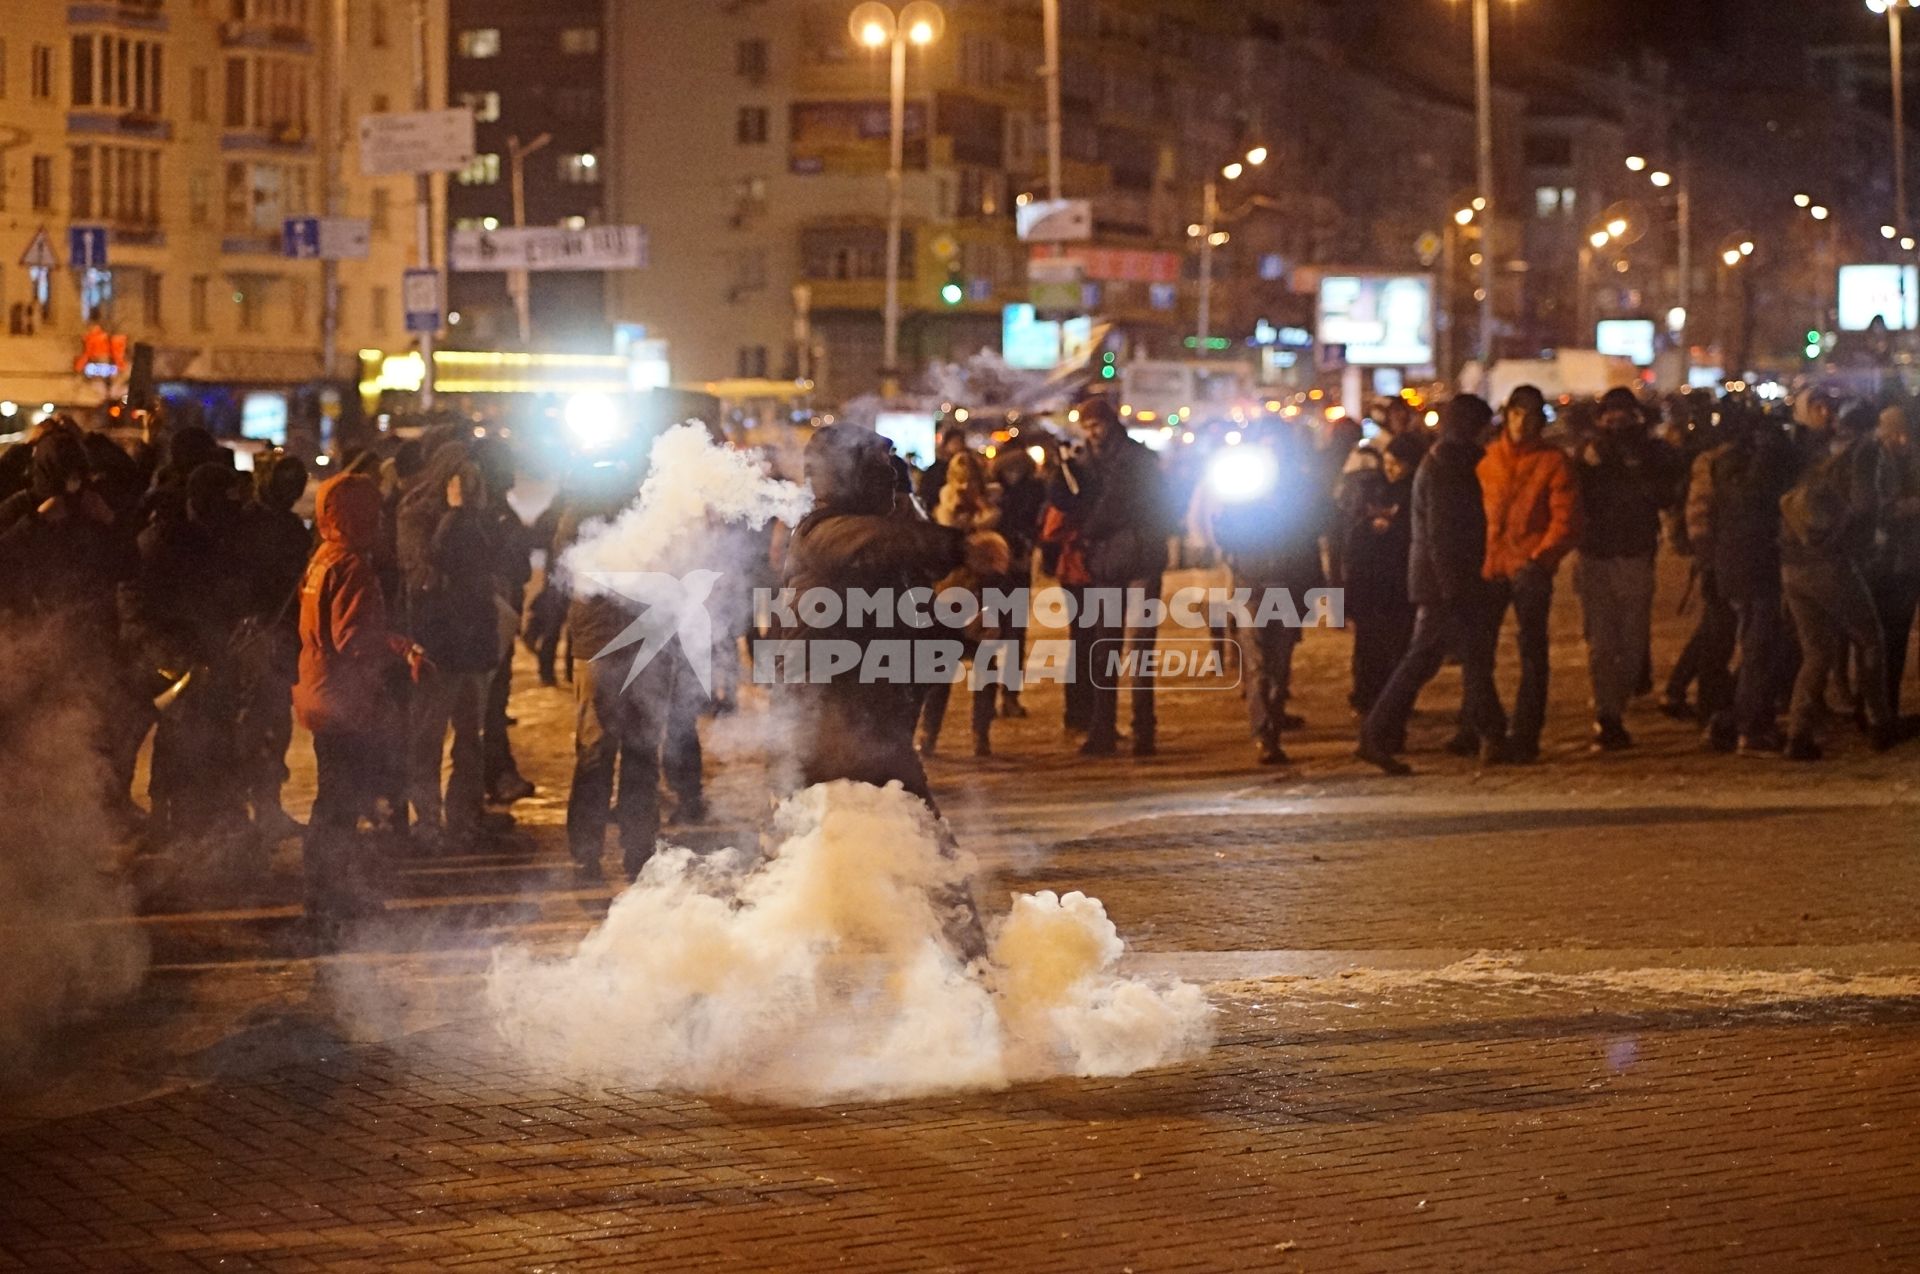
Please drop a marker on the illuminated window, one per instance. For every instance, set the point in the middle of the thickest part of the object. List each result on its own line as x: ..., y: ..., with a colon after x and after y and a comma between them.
x: 481, y: 42
x: 482, y: 170
x: 485, y: 106
x: 580, y: 170
x: 1547, y: 201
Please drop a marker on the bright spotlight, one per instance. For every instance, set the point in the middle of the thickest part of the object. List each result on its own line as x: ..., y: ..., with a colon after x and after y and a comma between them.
x: 1239, y: 476
x: 594, y: 419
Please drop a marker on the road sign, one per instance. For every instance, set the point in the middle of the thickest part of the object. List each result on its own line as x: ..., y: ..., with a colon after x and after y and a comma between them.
x: 1056, y: 285
x: 326, y: 238
x: 300, y: 238
x: 420, y: 293
x: 1055, y: 221
x: 87, y: 247
x: 549, y: 248
x: 39, y: 254
x: 395, y: 144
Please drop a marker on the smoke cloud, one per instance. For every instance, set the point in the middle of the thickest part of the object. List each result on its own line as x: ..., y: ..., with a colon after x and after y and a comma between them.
x: 692, y: 486
x: 820, y: 972
x: 67, y: 940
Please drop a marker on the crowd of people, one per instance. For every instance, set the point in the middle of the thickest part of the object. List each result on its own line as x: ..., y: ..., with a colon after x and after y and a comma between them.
x: 192, y: 603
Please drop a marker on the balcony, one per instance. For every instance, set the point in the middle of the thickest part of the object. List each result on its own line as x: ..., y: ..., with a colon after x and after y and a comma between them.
x: 136, y: 15
x: 111, y: 123
x: 274, y: 38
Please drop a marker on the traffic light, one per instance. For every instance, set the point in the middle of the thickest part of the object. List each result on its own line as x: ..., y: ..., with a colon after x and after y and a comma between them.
x: 1107, y: 369
x: 1814, y: 344
x: 954, y: 290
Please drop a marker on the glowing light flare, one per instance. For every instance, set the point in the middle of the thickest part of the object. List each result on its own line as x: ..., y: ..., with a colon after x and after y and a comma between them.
x: 1235, y: 477
x: 1636, y: 164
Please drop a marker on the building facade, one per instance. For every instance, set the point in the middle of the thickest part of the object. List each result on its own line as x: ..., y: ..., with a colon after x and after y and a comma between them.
x: 534, y: 76
x: 189, y: 131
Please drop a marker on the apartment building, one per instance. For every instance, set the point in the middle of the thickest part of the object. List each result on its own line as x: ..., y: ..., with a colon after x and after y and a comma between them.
x: 190, y: 130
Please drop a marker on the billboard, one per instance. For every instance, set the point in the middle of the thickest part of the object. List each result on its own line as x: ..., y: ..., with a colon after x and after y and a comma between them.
x: 852, y: 137
x: 1886, y: 292
x: 1034, y: 344
x: 1630, y: 339
x: 1383, y: 320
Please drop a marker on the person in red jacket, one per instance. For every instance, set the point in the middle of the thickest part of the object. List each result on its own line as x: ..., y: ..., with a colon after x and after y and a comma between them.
x: 346, y: 653
x: 1533, y: 520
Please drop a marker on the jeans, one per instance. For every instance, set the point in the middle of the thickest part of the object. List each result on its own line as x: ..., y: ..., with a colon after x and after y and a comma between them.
x: 497, y: 748
x: 1107, y: 642
x: 440, y: 701
x: 1831, y: 608
x: 1266, y: 674
x: 1463, y: 629
x: 1616, y: 604
x: 1380, y: 640
x: 1530, y: 595
x: 341, y: 876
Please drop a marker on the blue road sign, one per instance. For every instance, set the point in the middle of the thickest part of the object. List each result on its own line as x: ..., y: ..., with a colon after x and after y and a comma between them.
x: 87, y: 247
x: 420, y: 292
x: 300, y: 238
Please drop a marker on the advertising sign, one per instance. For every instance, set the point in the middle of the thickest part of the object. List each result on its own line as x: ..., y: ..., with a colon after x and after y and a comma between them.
x: 549, y: 248
x: 1382, y: 320
x: 1050, y: 221
x: 1890, y: 293
x: 1034, y: 344
x: 1631, y: 339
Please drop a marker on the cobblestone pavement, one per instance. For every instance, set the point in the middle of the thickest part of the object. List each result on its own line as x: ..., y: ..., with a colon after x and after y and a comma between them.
x: 1657, y: 1011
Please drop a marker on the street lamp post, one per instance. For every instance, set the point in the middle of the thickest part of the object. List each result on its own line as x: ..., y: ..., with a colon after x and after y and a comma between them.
x: 1483, y: 93
x: 1829, y: 311
x: 1599, y: 237
x: 1449, y: 267
x: 1050, y: 16
x: 877, y: 26
x: 1683, y: 247
x: 1896, y: 56
x: 1211, y: 237
x: 1733, y: 321
x: 518, y: 281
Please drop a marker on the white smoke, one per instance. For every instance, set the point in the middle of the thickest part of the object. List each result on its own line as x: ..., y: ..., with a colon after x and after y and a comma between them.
x: 692, y: 485
x: 822, y: 973
x: 67, y: 937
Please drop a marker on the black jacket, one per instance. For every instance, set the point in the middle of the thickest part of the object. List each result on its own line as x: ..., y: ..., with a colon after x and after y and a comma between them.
x: 1449, y: 528
x: 1379, y: 541
x: 1748, y: 478
x: 1626, y: 483
x: 1127, y: 521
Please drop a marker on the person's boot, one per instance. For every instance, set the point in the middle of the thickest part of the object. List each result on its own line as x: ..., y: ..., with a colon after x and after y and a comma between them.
x: 1801, y: 747
x: 272, y: 822
x: 1010, y: 706
x: 1382, y: 760
x: 1270, y: 752
x: 1610, y: 736
x: 982, y: 743
x: 1143, y: 745
x: 1678, y: 709
x: 1766, y: 743
x: 1462, y: 744
x: 929, y: 744
x: 510, y: 787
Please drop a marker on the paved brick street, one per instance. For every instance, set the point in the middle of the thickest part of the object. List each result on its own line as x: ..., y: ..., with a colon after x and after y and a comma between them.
x: 1656, y: 1011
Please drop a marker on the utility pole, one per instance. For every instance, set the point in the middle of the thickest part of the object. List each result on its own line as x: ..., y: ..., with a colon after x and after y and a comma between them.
x: 333, y: 109
x: 518, y: 281
x: 1483, y: 80
x: 896, y: 180
x: 423, y: 185
x: 1050, y: 12
x: 1683, y: 201
x: 1209, y: 217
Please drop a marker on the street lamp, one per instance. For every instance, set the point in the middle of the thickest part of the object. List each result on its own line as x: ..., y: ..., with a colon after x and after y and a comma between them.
x: 1824, y: 215
x: 1483, y: 104
x: 1661, y: 179
x: 1733, y: 317
x: 876, y: 26
x: 518, y: 281
x: 1896, y: 56
x: 1210, y: 238
x: 1597, y: 238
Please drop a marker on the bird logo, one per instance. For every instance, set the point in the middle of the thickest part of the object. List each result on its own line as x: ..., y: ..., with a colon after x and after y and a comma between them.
x: 673, y: 606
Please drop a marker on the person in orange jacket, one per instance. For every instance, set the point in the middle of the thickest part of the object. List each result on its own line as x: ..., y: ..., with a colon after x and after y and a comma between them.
x: 1533, y: 521
x: 346, y: 654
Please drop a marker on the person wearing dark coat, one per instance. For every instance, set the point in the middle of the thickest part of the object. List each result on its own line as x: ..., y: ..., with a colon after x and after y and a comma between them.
x: 1445, y: 581
x: 448, y: 562
x: 182, y: 614
x: 1627, y: 481
x: 623, y: 717
x: 1125, y: 529
x: 1826, y: 535
x: 276, y: 543
x: 513, y: 570
x: 853, y: 540
x: 1733, y: 524
x: 1023, y: 501
x: 1379, y: 539
x: 61, y: 565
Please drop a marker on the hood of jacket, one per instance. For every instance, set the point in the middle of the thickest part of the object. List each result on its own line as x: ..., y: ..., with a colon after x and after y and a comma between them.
x: 347, y: 512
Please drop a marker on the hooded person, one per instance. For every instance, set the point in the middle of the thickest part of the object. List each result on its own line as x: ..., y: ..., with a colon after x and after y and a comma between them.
x: 449, y: 564
x: 276, y: 544
x: 1379, y: 538
x: 1446, y: 580
x: 347, y: 654
x: 182, y: 614
x: 513, y: 568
